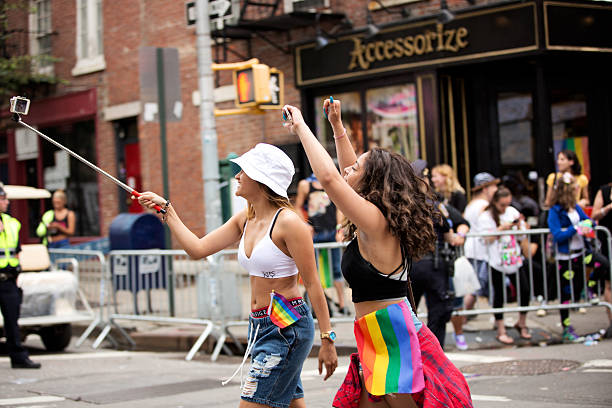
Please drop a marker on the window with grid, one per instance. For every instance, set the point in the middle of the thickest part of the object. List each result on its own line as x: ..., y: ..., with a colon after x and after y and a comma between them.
x: 41, y: 32
x: 90, y: 49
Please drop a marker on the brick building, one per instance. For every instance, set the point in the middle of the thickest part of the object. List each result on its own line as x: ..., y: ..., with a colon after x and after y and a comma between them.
x: 478, y: 84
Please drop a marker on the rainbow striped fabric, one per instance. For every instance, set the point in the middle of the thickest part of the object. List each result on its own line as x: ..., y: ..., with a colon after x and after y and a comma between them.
x: 389, y: 351
x: 281, y: 312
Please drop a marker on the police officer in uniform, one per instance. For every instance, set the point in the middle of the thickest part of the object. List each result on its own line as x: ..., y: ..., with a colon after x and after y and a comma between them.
x: 10, y: 294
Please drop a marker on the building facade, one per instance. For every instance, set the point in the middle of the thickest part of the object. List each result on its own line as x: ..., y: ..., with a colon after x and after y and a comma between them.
x: 480, y: 85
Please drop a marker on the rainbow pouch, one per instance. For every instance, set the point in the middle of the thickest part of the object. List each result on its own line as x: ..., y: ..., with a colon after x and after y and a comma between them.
x: 389, y: 351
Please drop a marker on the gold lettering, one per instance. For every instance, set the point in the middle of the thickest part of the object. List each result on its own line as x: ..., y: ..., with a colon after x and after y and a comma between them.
x: 450, y: 36
x: 369, y: 57
x: 388, y: 47
x: 430, y: 36
x: 399, y: 50
x: 419, y: 49
x: 461, y: 33
x: 357, y: 55
x: 378, y: 50
x: 440, y: 46
x: 409, y: 48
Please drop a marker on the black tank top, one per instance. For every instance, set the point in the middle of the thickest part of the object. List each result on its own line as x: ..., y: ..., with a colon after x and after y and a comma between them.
x: 607, y: 220
x: 321, y: 210
x: 367, y: 282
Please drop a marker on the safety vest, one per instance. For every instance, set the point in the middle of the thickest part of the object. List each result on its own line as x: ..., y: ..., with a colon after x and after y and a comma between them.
x: 41, y: 230
x: 9, y: 238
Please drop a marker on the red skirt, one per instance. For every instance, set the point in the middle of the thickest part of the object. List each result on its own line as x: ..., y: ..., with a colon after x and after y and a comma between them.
x: 445, y: 386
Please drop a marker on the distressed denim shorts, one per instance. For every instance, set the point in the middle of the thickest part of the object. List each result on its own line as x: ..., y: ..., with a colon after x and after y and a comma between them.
x: 277, y: 359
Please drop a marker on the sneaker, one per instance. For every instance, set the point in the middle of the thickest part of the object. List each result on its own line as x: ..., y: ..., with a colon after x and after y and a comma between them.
x: 541, y: 312
x: 582, y: 310
x: 460, y: 342
x: 570, y: 335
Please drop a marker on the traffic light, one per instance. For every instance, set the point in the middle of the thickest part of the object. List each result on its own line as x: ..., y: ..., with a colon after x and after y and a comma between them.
x: 276, y: 85
x: 252, y: 85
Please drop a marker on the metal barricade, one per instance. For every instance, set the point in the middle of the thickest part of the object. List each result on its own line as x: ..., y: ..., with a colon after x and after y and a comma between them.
x: 89, y: 267
x: 545, y: 277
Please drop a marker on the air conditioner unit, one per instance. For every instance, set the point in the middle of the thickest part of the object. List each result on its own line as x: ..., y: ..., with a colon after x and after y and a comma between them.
x: 305, y: 5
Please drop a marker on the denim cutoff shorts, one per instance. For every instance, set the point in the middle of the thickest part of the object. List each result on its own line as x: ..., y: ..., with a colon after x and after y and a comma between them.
x: 276, y: 360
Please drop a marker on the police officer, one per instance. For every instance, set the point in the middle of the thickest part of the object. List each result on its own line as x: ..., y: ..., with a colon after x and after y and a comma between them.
x: 10, y: 294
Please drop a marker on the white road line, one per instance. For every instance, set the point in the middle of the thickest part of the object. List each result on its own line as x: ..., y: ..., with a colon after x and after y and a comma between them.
x: 598, y: 370
x: 30, y: 400
x: 476, y: 358
x: 80, y: 356
x: 492, y: 398
x: 598, y: 363
x: 315, y: 373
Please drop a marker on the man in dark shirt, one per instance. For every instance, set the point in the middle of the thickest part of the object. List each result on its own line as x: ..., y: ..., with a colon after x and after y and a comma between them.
x: 10, y: 294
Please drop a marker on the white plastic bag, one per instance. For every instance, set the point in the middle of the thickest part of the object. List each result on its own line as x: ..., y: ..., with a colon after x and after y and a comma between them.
x: 465, y: 279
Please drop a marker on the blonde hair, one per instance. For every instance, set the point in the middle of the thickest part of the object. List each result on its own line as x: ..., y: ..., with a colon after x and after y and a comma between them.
x: 273, y: 198
x: 61, y: 194
x: 452, y: 182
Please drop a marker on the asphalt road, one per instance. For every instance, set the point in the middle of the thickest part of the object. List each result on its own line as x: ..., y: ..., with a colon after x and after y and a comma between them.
x: 578, y: 376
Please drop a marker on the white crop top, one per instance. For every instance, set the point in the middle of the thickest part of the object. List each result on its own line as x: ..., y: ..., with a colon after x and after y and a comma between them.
x: 267, y: 260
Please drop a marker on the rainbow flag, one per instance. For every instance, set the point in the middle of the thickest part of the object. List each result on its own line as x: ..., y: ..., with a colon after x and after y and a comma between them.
x: 389, y: 351
x: 281, y: 312
x: 323, y: 265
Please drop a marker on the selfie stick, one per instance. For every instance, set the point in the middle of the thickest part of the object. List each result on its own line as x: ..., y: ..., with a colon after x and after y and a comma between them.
x: 124, y: 186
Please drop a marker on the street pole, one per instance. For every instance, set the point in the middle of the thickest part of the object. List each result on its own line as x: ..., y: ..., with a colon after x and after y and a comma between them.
x: 208, y: 129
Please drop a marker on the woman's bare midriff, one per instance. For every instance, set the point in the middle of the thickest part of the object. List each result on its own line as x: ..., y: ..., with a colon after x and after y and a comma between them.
x: 261, y: 288
x: 364, y: 308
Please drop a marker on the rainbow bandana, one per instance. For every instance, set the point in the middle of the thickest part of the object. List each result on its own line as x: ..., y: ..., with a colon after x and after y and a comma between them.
x: 281, y: 312
x: 389, y: 351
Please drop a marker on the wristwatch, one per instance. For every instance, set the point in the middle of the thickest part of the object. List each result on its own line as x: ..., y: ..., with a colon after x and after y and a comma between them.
x: 331, y: 335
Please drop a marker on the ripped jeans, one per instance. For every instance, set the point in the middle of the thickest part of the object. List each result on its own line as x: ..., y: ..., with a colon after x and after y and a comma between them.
x: 277, y: 359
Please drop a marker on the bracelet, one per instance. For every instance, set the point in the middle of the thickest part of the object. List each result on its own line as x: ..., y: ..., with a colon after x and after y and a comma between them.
x: 461, y: 234
x: 341, y: 136
x: 166, y: 206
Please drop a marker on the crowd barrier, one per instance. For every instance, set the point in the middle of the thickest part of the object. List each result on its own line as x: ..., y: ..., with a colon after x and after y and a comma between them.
x: 168, y: 287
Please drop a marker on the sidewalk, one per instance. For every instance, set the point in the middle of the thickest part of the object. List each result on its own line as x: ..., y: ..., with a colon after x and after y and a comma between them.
x: 479, y: 332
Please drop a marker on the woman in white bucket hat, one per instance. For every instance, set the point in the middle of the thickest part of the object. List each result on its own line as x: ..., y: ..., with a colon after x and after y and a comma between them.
x: 274, y: 246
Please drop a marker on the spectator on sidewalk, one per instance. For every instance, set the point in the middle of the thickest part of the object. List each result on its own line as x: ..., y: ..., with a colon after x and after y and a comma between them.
x: 324, y: 220
x: 504, y: 257
x: 567, y: 161
x: 485, y: 185
x: 566, y: 221
x: 447, y: 185
x: 601, y: 213
x: 58, y: 223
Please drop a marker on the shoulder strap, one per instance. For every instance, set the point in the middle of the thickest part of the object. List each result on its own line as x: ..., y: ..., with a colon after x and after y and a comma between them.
x: 274, y: 221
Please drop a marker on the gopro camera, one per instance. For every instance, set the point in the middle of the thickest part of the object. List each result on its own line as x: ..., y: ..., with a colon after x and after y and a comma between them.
x: 20, y: 105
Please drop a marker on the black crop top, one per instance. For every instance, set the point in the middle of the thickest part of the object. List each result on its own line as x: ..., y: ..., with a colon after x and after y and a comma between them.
x: 367, y: 282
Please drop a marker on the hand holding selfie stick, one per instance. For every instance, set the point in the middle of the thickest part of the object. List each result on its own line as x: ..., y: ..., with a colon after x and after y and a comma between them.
x: 16, y: 109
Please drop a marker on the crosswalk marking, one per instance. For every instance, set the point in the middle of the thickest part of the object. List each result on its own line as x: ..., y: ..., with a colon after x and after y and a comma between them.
x: 476, y: 358
x: 598, y: 363
x: 492, y: 398
x: 598, y: 370
x: 81, y: 356
x: 30, y: 400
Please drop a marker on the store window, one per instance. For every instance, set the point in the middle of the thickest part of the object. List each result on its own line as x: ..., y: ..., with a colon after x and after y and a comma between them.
x: 389, y: 120
x: 392, y: 120
x: 515, y: 118
x: 569, y: 122
x: 76, y: 178
x: 351, y: 117
x: 89, y: 46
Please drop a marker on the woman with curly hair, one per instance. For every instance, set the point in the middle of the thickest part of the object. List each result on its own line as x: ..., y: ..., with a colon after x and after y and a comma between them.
x: 567, y: 161
x: 390, y: 223
x: 447, y: 185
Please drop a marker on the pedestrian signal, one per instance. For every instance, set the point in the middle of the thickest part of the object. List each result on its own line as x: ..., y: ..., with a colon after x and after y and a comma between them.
x: 252, y: 85
x: 276, y: 84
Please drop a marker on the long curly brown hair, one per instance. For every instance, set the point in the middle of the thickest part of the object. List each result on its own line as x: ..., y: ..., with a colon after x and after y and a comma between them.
x: 405, y: 200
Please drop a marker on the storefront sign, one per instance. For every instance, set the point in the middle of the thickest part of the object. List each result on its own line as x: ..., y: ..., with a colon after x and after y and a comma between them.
x: 579, y: 27
x: 479, y: 34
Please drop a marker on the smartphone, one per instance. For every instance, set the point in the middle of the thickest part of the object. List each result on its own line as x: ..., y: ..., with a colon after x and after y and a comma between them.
x: 287, y: 115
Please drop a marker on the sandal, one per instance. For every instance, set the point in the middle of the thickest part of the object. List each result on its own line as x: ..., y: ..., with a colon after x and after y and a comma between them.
x: 523, y: 332
x: 505, y: 339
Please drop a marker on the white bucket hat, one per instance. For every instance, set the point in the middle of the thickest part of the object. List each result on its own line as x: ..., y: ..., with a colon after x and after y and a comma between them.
x: 268, y: 165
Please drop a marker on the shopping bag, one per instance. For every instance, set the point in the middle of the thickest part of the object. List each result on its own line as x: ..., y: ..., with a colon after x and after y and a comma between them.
x: 465, y: 279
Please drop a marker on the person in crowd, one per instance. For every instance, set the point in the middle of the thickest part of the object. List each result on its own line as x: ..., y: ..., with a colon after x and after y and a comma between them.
x: 432, y: 273
x: 275, y: 245
x: 485, y: 185
x: 504, y: 257
x: 10, y: 294
x: 526, y: 205
x: 569, y: 226
x: 325, y: 220
x: 567, y: 161
x: 390, y: 223
x: 602, y: 205
x: 446, y: 184
x: 58, y: 223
